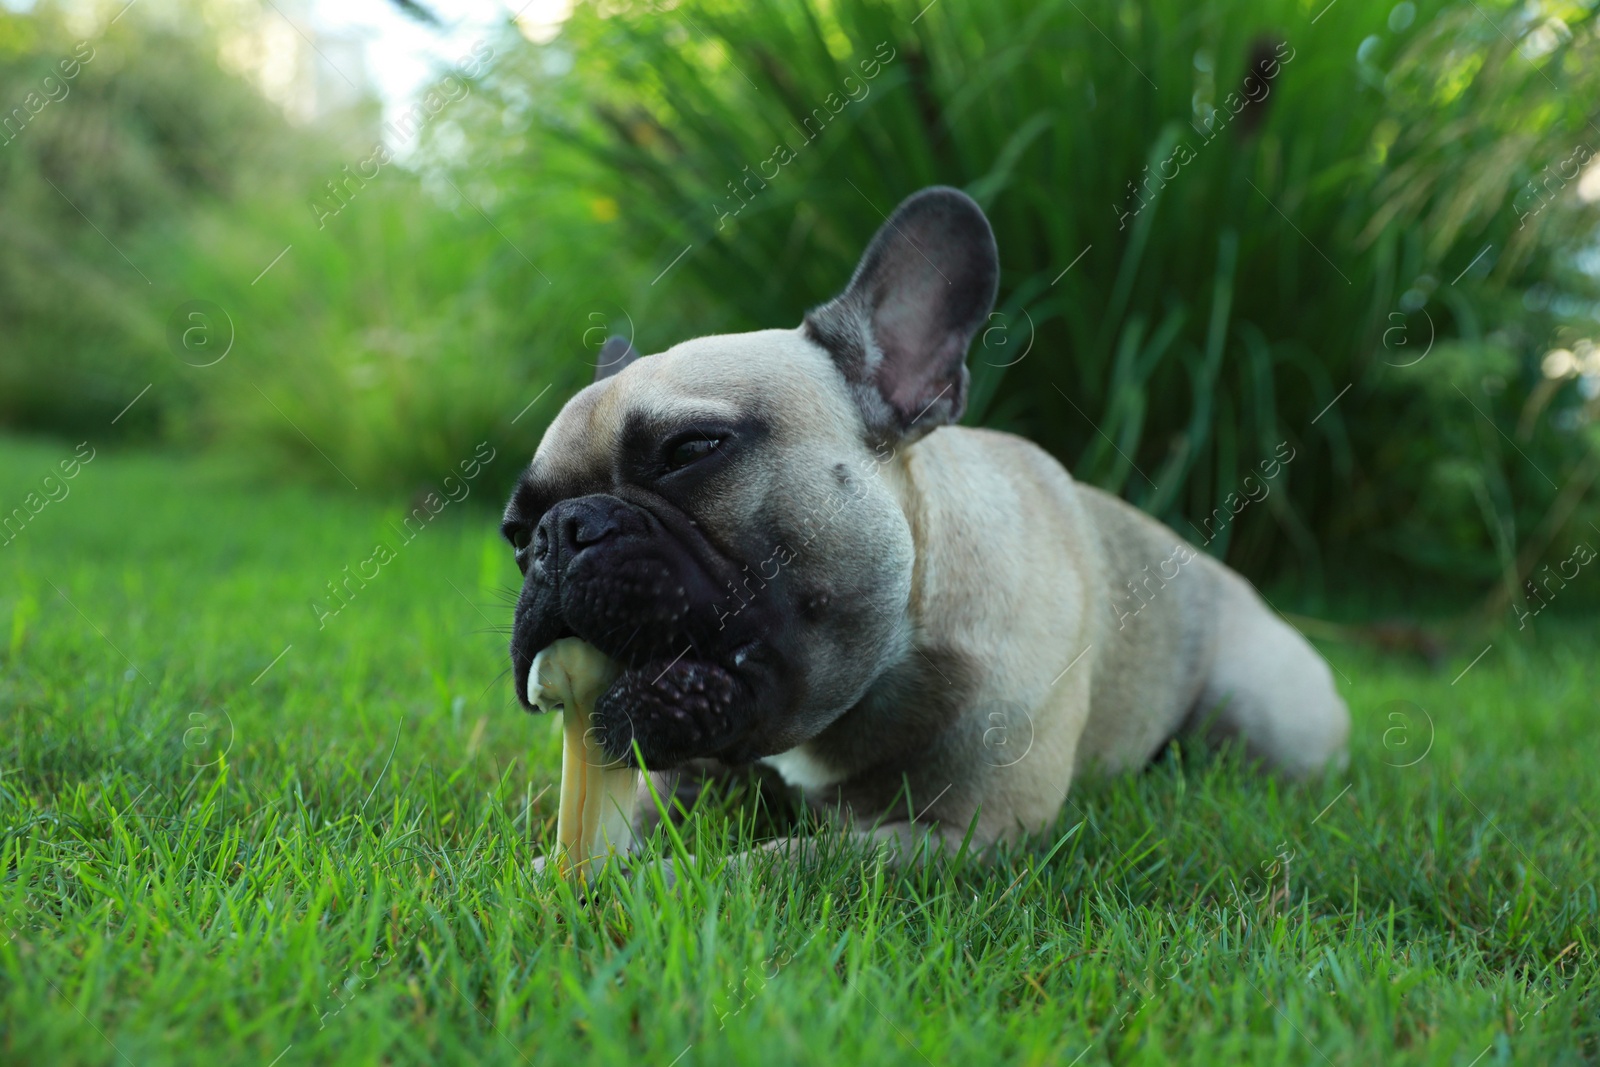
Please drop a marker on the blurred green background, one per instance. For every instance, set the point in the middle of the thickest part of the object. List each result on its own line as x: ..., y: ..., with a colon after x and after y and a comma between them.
x: 1357, y: 235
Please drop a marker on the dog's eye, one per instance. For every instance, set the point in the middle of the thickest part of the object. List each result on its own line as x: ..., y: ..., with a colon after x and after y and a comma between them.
x: 519, y: 536
x: 690, y: 449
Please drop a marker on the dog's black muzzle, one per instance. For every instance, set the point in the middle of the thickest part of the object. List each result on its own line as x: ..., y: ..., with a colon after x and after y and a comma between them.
x: 644, y: 586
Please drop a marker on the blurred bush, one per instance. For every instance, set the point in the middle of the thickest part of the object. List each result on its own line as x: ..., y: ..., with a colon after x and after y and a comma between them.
x: 1230, y: 233
x: 107, y: 148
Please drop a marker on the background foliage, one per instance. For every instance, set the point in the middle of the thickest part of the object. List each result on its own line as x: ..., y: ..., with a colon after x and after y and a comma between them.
x: 1363, y: 231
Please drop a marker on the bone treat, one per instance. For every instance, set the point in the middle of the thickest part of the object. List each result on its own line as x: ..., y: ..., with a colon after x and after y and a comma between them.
x: 595, y: 817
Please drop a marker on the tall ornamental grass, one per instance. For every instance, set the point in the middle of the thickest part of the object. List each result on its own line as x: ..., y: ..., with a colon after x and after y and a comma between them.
x: 1281, y: 274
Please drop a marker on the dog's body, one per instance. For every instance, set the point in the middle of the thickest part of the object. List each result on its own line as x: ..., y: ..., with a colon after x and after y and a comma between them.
x: 1083, y: 640
x: 921, y: 630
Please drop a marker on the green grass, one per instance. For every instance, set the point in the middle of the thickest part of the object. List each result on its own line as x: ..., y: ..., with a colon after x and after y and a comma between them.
x: 216, y: 855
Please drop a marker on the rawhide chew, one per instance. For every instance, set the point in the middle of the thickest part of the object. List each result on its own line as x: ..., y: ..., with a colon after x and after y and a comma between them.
x: 595, y: 817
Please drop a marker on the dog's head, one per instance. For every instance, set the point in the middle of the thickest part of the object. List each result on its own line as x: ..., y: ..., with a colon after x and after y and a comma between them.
x: 727, y: 519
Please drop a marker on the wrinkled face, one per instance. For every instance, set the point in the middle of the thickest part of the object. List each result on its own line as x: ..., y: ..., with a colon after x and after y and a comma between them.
x: 713, y: 519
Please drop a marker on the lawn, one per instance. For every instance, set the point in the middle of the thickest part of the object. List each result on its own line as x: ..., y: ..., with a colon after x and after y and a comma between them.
x: 245, y: 822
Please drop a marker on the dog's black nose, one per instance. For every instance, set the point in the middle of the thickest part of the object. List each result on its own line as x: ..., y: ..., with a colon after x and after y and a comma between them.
x: 572, y: 526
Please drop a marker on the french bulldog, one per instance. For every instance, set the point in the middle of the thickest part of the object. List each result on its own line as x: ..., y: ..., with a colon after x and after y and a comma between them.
x: 799, y: 558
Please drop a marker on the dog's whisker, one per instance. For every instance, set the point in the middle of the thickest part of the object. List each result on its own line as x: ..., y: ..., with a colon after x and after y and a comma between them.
x: 494, y: 682
x: 631, y: 636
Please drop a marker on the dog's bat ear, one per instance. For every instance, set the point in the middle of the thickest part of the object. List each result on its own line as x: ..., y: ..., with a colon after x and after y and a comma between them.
x: 900, y: 331
x: 615, y: 354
